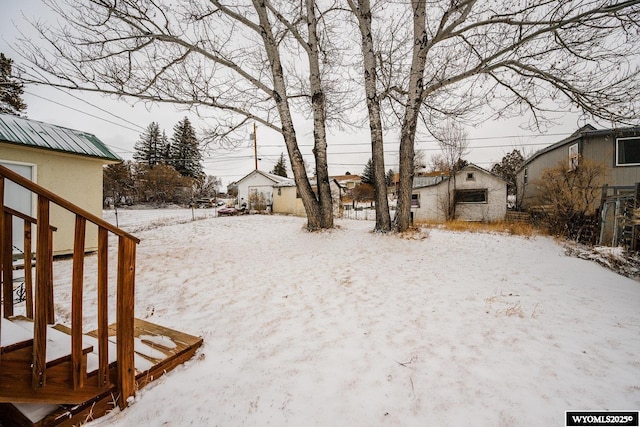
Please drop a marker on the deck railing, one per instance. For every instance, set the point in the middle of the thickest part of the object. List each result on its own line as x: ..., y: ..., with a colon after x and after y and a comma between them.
x: 39, y: 304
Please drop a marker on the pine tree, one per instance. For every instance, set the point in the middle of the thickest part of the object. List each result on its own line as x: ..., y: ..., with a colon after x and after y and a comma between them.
x: 280, y: 168
x: 389, y: 177
x: 367, y: 174
x: 165, y: 152
x: 185, y: 154
x: 11, y: 89
x: 507, y: 169
x: 149, y: 149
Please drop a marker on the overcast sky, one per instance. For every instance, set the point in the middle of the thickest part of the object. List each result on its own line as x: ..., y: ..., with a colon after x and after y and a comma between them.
x: 119, y: 124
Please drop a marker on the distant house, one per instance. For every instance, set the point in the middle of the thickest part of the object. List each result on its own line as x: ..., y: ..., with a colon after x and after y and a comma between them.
x: 255, y: 190
x: 65, y: 161
x: 479, y: 195
x: 346, y: 181
x: 618, y: 149
x: 287, y: 201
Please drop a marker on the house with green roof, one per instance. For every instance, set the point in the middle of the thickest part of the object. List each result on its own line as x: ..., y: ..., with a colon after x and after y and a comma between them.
x: 65, y: 161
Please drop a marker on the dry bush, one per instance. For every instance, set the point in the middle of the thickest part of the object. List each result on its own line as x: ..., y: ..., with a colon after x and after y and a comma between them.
x: 569, y: 198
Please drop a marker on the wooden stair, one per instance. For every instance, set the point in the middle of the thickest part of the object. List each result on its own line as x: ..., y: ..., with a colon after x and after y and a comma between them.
x: 58, y: 375
x: 157, y: 351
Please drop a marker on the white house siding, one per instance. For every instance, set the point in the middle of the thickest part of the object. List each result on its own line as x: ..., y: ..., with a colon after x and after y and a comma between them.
x: 431, y: 202
x: 433, y: 199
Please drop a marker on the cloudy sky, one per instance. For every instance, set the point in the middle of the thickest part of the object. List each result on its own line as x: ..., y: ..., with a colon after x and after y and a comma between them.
x: 119, y: 124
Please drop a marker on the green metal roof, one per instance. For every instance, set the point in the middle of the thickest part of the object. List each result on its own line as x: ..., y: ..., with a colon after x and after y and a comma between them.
x: 31, y: 133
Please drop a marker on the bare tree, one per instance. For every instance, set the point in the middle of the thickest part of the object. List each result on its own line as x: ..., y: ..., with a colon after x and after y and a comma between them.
x: 362, y: 10
x: 452, y: 139
x: 237, y: 58
x: 474, y: 60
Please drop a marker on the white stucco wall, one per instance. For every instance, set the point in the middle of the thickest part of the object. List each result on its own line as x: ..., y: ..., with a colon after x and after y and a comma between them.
x: 75, y: 178
x: 433, y: 199
x: 254, y: 181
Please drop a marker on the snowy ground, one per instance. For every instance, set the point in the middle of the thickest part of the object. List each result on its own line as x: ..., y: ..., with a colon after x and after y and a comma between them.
x: 350, y: 328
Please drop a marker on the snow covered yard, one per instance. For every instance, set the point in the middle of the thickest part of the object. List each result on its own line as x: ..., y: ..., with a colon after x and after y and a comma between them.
x: 350, y: 328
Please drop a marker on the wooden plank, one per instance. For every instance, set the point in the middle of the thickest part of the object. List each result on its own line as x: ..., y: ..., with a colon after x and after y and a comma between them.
x: 41, y: 300
x: 2, y: 239
x: 125, y: 319
x: 78, y: 361
x: 7, y: 264
x: 28, y: 275
x: 49, y: 294
x: 103, y: 309
x: 15, y: 382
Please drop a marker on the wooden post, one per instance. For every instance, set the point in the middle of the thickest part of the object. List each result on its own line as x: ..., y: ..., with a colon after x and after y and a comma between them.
x: 28, y: 276
x: 49, y: 263
x: 7, y: 265
x: 103, y: 317
x: 125, y: 320
x: 77, y: 282
x: 41, y: 308
x: 602, y: 213
x: 1, y: 247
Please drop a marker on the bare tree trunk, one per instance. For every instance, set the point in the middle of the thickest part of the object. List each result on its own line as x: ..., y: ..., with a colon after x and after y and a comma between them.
x: 319, y: 116
x: 363, y: 14
x: 312, y: 207
x: 412, y: 111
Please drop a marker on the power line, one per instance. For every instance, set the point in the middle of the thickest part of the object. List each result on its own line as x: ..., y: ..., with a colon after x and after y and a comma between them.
x: 80, y: 111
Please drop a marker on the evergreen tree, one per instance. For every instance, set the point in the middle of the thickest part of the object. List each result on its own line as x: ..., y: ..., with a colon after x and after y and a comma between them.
x: 11, y: 89
x: 507, y: 169
x: 280, y: 168
x: 389, y: 177
x: 367, y: 173
x: 165, y: 152
x: 149, y: 149
x: 185, y: 153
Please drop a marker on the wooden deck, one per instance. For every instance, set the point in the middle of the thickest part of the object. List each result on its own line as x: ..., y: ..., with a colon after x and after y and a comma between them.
x: 157, y: 351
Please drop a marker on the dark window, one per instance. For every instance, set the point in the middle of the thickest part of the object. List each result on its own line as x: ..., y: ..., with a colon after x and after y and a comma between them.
x: 628, y: 151
x: 470, y: 176
x: 471, y: 196
x: 415, y: 200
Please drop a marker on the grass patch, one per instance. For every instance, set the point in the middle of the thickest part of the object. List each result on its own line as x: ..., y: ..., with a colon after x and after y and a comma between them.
x: 524, y: 229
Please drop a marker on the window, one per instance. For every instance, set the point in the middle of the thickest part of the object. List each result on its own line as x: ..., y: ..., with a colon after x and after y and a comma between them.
x: 526, y: 175
x: 470, y: 176
x: 628, y: 151
x: 471, y: 196
x: 574, y: 156
x: 415, y: 200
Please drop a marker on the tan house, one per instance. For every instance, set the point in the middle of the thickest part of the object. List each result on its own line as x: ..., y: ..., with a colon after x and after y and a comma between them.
x: 287, y: 201
x: 479, y: 195
x: 65, y: 161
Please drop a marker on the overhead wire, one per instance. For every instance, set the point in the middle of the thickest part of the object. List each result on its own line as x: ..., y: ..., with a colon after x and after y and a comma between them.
x: 266, y: 157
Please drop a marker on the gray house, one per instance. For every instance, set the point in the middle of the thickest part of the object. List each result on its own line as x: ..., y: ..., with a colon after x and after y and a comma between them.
x: 618, y: 149
x: 479, y: 195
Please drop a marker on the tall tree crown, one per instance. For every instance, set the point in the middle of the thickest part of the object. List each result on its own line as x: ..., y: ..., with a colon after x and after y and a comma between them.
x: 11, y: 89
x: 184, y: 152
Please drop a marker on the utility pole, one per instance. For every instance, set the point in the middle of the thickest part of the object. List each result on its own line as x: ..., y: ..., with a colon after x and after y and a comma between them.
x: 255, y: 145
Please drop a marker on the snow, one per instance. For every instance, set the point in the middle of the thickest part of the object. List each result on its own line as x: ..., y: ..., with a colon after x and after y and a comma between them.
x: 352, y: 328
